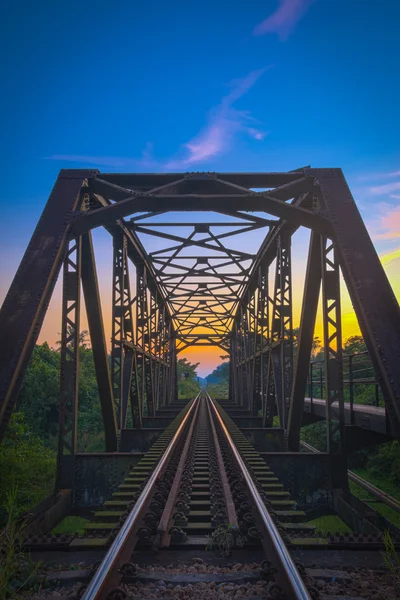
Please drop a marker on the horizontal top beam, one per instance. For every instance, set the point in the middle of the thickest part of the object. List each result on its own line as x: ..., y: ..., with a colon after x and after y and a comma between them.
x: 146, y: 181
x: 196, y: 202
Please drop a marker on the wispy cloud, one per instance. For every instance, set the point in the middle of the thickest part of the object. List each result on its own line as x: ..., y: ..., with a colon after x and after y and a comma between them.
x: 387, y: 188
x: 145, y: 161
x: 284, y: 19
x: 385, y: 225
x: 224, y: 123
x: 379, y: 176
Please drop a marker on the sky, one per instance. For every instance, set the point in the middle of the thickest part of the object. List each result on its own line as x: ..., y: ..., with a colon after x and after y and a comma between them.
x: 217, y: 86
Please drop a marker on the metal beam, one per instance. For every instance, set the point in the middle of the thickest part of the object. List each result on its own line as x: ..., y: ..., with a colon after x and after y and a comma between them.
x: 96, y: 328
x: 26, y: 303
x: 373, y: 299
x: 146, y: 181
x: 312, y: 286
x: 195, y: 202
x: 69, y: 364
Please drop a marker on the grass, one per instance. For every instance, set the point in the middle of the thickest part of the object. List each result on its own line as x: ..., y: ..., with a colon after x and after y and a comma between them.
x: 223, y: 538
x: 16, y: 567
x: 384, y: 485
x: 75, y: 525
x: 329, y: 524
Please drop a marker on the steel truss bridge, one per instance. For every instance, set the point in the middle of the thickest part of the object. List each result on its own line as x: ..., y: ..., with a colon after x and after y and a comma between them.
x: 205, y: 285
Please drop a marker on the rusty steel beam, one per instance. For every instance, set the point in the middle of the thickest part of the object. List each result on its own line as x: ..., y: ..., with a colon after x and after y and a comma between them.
x: 312, y: 287
x: 374, y: 302
x: 196, y: 202
x: 147, y: 181
x: 91, y: 294
x: 26, y: 303
x: 69, y: 364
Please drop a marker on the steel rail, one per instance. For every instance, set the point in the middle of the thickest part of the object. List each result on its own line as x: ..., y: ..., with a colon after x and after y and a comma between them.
x: 277, y: 552
x: 366, y: 485
x: 230, y: 506
x: 106, y: 576
x: 166, y: 516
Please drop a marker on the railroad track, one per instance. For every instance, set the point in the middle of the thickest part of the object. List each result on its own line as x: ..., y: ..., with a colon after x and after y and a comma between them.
x: 192, y: 488
x: 201, y: 484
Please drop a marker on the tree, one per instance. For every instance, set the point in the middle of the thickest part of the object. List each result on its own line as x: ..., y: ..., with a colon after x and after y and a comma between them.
x: 26, y: 465
x: 315, y: 348
x: 188, y: 386
x: 82, y: 338
x: 218, y: 381
x: 40, y: 396
x: 40, y: 392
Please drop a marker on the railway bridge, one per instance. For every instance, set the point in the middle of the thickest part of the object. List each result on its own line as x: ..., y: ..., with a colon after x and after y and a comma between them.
x: 204, y: 259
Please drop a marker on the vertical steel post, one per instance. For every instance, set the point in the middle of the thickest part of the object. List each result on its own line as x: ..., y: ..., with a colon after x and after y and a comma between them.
x: 312, y: 285
x: 264, y: 339
x: 351, y: 389
x: 141, y: 325
x: 69, y: 364
x: 151, y: 326
x: 117, y: 349
x: 97, y: 337
x: 282, y: 329
x: 332, y: 346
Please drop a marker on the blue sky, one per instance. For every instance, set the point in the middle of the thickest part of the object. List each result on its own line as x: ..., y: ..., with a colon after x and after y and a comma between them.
x: 221, y: 86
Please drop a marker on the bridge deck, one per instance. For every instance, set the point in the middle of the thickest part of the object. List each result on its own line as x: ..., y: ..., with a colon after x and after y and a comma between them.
x: 373, y: 418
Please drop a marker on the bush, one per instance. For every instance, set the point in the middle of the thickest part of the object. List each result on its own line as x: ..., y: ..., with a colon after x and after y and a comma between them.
x: 26, y: 464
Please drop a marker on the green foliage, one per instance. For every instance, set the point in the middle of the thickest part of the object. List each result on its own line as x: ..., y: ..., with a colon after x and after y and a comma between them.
x: 329, y: 525
x: 315, y: 435
x: 218, y: 381
x: 16, y: 567
x: 188, y: 386
x: 218, y: 391
x: 316, y: 345
x: 390, y: 557
x: 223, y: 538
x: 389, y: 513
x: 354, y: 345
x: 385, y: 461
x: 75, y: 525
x: 39, y: 396
x: 27, y: 465
x: 90, y: 422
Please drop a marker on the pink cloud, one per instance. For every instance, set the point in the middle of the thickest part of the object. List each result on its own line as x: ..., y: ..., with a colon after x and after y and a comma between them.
x: 386, y: 222
x: 391, y: 223
x: 224, y: 123
x: 386, y: 188
x: 284, y: 19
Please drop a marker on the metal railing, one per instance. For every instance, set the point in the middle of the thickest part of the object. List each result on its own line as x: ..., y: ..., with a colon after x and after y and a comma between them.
x: 354, y: 375
x: 107, y: 576
x: 364, y: 484
x: 288, y: 576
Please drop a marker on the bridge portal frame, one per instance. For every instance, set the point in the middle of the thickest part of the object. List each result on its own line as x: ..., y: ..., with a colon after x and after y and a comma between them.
x: 144, y: 372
